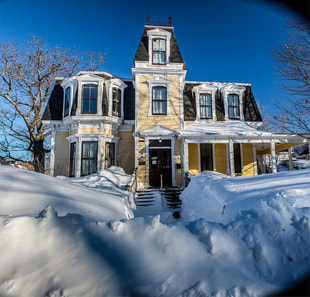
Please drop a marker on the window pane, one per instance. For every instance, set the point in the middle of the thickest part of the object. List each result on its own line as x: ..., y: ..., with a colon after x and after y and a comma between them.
x: 163, y: 108
x: 93, y: 105
x: 85, y: 150
x: 162, y: 45
x: 203, y: 112
x: 93, y: 93
x: 155, y: 58
x: 85, y: 92
x: 209, y: 112
x: 85, y: 167
x: 162, y: 58
x: 156, y: 44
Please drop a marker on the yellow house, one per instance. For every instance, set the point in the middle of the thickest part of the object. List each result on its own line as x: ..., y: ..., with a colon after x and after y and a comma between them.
x: 157, y: 123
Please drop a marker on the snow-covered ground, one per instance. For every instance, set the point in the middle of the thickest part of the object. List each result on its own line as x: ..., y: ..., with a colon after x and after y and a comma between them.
x: 257, y: 244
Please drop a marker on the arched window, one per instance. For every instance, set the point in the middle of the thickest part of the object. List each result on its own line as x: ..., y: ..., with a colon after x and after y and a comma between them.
x: 159, y: 101
x: 67, y: 101
x: 89, y: 99
x: 233, y: 106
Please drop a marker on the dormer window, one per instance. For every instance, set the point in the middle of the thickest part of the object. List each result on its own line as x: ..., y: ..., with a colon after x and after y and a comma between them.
x: 116, y: 102
x: 233, y: 107
x: 67, y: 101
x: 158, y: 46
x: 159, y: 100
x: 205, y: 106
x: 159, y: 51
x: 205, y: 101
x: 232, y: 94
x: 89, y: 99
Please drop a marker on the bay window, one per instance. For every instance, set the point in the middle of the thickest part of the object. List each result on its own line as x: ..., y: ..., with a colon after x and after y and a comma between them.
x: 159, y: 101
x: 89, y: 157
x: 109, y: 154
x: 116, y: 102
x: 67, y: 101
x: 89, y: 99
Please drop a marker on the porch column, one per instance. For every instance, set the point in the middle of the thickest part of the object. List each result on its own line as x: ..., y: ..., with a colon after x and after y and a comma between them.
x: 147, y: 163
x: 273, y: 157
x: 231, y: 158
x: 52, y: 154
x: 254, y: 159
x: 185, y: 160
x: 173, y: 162
x: 290, y: 161
x: 78, y: 157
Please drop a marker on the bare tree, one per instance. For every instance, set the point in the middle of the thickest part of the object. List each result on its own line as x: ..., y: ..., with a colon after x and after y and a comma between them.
x: 293, y: 66
x: 27, y: 77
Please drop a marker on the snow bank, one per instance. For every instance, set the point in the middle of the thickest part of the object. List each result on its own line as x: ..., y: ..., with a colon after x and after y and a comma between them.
x: 260, y: 244
x: 220, y: 198
x: 27, y: 193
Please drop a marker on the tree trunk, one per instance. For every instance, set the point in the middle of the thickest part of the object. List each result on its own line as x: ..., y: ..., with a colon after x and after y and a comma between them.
x: 38, y: 155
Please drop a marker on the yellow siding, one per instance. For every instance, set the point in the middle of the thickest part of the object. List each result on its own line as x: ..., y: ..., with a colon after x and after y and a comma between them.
x: 110, y: 132
x: 193, y: 162
x: 248, y: 159
x: 142, y: 166
x: 220, y: 157
x: 61, y: 154
x: 75, y: 131
x: 126, y: 152
x: 172, y: 121
x: 177, y: 160
x: 89, y: 130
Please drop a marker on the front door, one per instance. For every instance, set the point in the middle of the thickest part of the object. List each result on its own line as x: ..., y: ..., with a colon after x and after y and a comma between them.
x: 160, y: 164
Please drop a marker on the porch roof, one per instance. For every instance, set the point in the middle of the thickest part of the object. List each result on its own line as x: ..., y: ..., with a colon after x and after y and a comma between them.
x: 231, y: 129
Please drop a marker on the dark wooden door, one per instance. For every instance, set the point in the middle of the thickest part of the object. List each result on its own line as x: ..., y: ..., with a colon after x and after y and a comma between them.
x: 160, y: 164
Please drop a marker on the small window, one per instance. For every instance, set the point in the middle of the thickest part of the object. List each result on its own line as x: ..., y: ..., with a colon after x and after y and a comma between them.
x: 109, y: 154
x: 67, y: 101
x: 206, y: 156
x: 89, y: 100
x: 116, y: 104
x: 159, y: 100
x: 89, y: 157
x: 237, y: 158
x: 205, y: 106
x: 72, y: 159
x: 159, y: 51
x: 233, y: 106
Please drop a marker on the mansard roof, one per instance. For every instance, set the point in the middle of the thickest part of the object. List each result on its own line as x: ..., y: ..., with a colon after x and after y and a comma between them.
x: 250, y: 109
x: 53, y: 110
x: 142, y: 52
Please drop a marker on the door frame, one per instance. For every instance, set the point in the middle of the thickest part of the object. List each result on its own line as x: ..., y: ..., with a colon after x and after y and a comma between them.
x: 147, y: 141
x: 157, y: 173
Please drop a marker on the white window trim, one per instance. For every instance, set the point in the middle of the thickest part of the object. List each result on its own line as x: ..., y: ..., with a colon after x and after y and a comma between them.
x: 230, y: 90
x: 80, y: 96
x: 205, y: 89
x: 118, y: 84
x: 159, y: 82
x: 161, y: 34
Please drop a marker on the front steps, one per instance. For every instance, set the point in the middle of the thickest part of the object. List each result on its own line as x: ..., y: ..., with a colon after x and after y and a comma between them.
x: 153, y: 201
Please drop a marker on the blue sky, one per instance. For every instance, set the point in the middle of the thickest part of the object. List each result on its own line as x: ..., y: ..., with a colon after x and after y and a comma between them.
x: 220, y: 40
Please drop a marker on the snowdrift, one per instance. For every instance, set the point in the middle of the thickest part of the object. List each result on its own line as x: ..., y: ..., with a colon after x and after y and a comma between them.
x: 258, y: 246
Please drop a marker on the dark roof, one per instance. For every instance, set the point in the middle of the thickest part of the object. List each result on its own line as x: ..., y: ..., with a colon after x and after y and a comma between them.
x: 250, y: 109
x: 53, y: 110
x: 142, y: 52
x: 129, y: 101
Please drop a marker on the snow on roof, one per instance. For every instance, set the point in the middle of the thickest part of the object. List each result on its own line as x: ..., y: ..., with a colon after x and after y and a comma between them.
x: 225, y: 128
